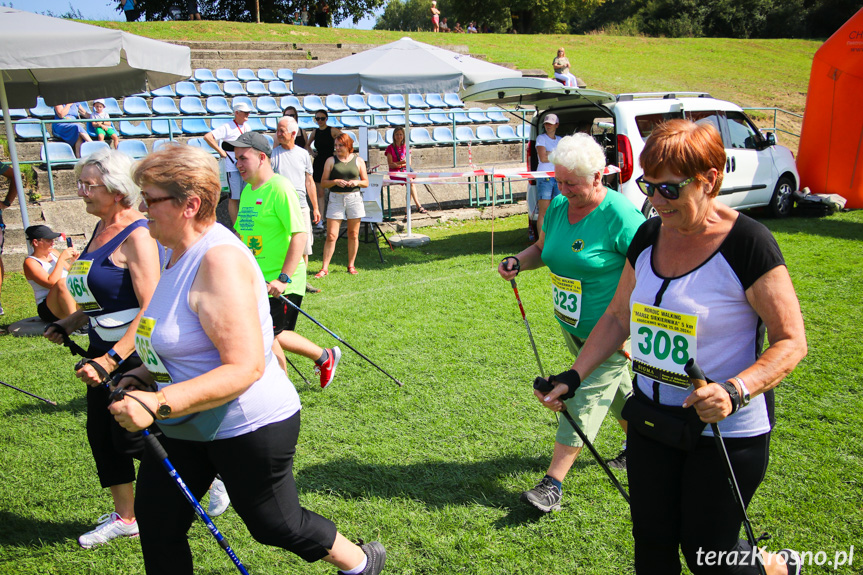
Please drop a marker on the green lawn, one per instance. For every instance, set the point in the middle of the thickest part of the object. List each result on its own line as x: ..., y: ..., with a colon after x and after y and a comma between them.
x: 434, y: 469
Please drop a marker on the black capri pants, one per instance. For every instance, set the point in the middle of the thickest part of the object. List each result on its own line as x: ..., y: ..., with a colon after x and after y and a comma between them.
x: 682, y: 499
x: 257, y: 469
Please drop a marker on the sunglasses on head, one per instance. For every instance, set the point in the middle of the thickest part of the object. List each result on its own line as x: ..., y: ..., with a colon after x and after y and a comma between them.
x: 669, y: 191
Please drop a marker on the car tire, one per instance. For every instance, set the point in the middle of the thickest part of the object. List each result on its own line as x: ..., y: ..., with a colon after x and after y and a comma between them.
x: 782, y: 200
x: 648, y: 210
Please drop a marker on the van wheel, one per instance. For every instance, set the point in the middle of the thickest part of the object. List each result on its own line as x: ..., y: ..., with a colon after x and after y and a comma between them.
x: 648, y: 210
x: 781, y: 202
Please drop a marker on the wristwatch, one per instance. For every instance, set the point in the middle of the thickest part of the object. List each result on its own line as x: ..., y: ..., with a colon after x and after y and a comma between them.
x: 745, y: 399
x: 284, y: 278
x: 164, y: 410
x: 115, y: 356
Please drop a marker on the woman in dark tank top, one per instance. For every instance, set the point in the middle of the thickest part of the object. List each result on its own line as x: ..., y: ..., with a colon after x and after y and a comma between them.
x: 324, y: 140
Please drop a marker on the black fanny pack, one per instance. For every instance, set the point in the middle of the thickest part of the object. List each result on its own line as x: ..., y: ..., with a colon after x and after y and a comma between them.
x: 675, y: 427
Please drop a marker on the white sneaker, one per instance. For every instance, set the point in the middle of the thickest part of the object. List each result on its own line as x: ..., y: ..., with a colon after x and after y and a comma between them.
x: 110, y: 527
x: 219, y: 499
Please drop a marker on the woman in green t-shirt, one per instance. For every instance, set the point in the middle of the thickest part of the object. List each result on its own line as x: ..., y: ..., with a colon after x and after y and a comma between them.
x: 583, y: 241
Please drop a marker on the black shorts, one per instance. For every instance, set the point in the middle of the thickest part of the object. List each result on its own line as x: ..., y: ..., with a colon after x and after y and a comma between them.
x: 44, y: 313
x: 285, y: 316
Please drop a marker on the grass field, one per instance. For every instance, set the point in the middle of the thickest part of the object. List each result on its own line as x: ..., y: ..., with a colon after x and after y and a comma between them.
x: 434, y: 469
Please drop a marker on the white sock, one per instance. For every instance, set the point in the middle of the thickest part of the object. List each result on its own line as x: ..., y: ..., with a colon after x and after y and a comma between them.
x: 358, y: 569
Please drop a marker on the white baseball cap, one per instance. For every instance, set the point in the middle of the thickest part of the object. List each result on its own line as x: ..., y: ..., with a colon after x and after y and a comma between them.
x: 241, y: 107
x: 99, y: 101
x: 551, y: 119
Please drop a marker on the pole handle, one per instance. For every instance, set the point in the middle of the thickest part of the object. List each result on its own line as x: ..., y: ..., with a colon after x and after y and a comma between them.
x: 695, y: 373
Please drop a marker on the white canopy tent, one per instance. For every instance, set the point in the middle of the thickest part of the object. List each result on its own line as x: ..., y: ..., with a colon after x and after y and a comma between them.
x: 66, y: 61
x: 402, y: 67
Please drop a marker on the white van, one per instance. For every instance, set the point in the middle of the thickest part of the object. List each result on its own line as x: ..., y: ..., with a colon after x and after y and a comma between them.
x: 758, y: 172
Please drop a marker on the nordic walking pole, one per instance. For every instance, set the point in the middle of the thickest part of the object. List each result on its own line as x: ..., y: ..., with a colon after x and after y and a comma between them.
x: 297, y: 370
x: 296, y: 307
x: 527, y: 325
x: 162, y: 455
x: 699, y: 380
x: 28, y: 393
x: 544, y: 386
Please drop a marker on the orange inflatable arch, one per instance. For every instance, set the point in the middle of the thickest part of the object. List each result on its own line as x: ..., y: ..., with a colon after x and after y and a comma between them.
x: 830, y: 156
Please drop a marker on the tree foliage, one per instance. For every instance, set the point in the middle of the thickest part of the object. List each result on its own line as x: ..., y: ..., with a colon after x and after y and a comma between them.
x: 274, y: 11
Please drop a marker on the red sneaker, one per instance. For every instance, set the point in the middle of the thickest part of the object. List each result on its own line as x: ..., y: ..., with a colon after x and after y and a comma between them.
x: 327, y: 370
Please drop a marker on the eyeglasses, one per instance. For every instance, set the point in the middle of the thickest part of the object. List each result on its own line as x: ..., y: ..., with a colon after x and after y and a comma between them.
x: 150, y: 201
x: 669, y: 191
x: 320, y: 118
x: 87, y: 189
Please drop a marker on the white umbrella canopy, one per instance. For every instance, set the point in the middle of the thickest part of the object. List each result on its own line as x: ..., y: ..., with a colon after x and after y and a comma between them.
x: 66, y: 61
x: 402, y: 67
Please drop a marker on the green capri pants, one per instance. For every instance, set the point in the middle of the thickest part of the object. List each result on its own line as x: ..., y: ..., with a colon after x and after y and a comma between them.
x: 605, y: 389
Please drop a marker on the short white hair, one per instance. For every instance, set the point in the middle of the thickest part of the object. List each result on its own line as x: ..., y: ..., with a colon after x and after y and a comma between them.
x: 116, y: 170
x: 292, y: 125
x: 579, y: 153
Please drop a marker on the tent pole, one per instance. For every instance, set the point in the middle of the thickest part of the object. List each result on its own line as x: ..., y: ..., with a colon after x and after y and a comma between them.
x: 13, y: 153
x: 408, y: 164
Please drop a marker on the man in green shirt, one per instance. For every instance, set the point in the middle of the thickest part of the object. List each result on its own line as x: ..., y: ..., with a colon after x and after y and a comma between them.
x: 270, y: 223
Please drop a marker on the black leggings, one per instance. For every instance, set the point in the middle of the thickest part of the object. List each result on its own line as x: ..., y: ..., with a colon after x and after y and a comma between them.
x: 257, y: 471
x: 683, y: 500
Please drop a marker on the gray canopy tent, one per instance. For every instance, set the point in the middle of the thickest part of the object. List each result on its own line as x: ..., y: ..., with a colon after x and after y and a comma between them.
x: 66, y: 61
x: 402, y: 67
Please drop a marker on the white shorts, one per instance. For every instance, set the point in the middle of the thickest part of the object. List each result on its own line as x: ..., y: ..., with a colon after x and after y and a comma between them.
x: 307, y: 217
x: 346, y: 206
x: 235, y: 184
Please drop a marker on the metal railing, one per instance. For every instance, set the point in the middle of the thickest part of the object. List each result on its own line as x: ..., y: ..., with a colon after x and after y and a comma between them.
x: 776, y: 112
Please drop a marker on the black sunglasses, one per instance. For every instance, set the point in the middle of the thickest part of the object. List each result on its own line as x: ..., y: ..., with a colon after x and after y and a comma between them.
x: 669, y: 191
x: 320, y: 118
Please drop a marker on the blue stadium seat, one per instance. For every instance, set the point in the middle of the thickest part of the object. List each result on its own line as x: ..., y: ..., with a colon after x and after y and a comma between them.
x: 388, y: 136
x: 440, y: 116
x: 256, y: 124
x: 267, y: 105
x: 246, y: 75
x: 396, y: 101
x: 59, y: 154
x: 144, y: 94
x: 477, y: 116
x: 278, y: 88
x: 313, y: 103
x: 204, y: 75
x: 212, y: 89
x: 225, y: 75
x: 464, y: 134
x: 496, y: 115
x: 292, y: 101
x: 245, y: 100
x: 130, y: 130
x: 112, y: 107
x: 163, y: 127
x: 19, y: 113
x: 187, y: 89
x: 31, y: 130
x: 353, y: 121
x: 270, y: 140
x: 164, y: 106
x: 267, y: 75
x: 285, y: 74
x: 452, y: 100
x: 199, y: 143
x: 377, y: 102
x: 419, y: 120
x: 256, y: 88
x: 354, y: 138
x: 416, y: 101
x: 307, y: 123
x: 160, y: 143
x: 335, y: 104
x: 421, y: 137
x: 135, y: 106
x: 195, y: 126
x: 460, y: 117
x: 272, y: 121
x: 357, y: 103
x: 85, y: 106
x: 42, y: 110
x: 395, y: 118
x: 334, y: 122
x: 192, y: 106
x: 486, y: 134
x: 135, y: 149
x: 218, y: 122
x: 521, y: 131
x: 374, y: 138
x: 506, y: 133
x: 218, y: 105
x: 232, y: 88
x: 165, y: 91
x: 88, y: 148
x: 435, y: 101
x: 442, y: 135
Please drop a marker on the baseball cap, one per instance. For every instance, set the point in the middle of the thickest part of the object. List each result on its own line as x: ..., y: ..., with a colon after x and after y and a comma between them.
x: 40, y: 232
x: 99, y: 101
x: 551, y: 119
x: 249, y: 140
x: 241, y: 107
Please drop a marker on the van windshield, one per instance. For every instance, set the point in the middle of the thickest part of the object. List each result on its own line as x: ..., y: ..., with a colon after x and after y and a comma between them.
x: 647, y: 122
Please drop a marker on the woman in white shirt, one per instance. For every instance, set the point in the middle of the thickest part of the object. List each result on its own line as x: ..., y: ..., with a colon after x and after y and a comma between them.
x: 45, y: 270
x: 546, y: 188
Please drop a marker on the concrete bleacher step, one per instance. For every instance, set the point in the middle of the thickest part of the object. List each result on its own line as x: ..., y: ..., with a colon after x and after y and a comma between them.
x: 251, y: 55
x: 274, y: 65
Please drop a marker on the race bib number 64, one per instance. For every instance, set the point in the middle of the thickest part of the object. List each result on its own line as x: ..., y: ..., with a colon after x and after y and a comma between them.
x: 662, y: 342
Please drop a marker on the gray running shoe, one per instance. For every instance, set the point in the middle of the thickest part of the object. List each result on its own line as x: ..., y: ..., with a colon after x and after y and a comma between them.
x: 219, y: 499
x: 110, y: 527
x: 545, y: 496
x: 618, y: 462
x: 312, y: 289
x: 376, y: 556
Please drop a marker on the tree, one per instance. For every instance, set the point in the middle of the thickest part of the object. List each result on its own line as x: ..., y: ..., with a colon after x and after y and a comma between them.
x: 274, y: 11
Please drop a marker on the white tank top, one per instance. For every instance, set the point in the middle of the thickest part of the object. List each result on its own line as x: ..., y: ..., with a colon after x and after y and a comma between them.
x: 179, y: 343
x: 40, y: 292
